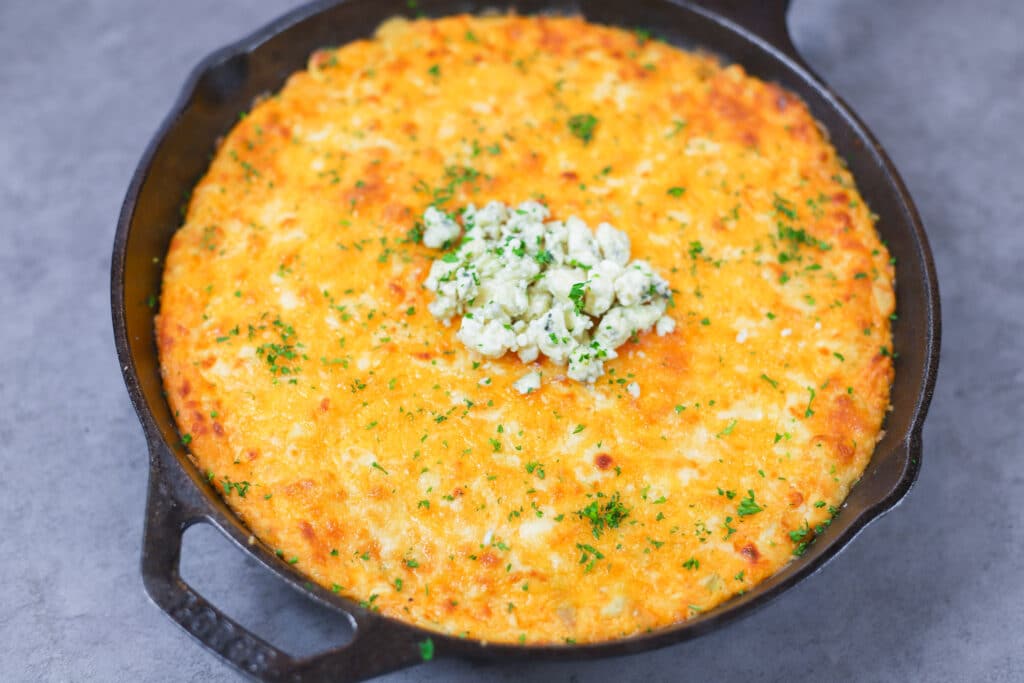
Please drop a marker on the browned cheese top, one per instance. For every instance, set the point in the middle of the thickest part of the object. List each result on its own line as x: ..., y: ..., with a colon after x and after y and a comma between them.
x: 354, y: 434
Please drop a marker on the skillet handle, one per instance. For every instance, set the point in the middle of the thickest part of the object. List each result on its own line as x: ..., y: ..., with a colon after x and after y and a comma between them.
x: 173, y: 505
x: 765, y: 19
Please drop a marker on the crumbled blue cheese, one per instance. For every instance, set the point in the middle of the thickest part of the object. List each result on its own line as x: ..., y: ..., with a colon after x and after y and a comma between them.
x: 531, y: 286
x: 439, y: 228
x: 527, y: 383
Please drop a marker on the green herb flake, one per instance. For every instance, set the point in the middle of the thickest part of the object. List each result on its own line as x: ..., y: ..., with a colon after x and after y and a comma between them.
x: 748, y: 506
x: 607, y: 516
x: 239, y: 487
x: 808, y: 412
x: 577, y: 295
x: 536, y: 467
x: 589, y: 555
x: 727, y: 431
x: 582, y: 126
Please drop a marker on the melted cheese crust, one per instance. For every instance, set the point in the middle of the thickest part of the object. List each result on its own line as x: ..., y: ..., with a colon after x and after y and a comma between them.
x: 353, y: 432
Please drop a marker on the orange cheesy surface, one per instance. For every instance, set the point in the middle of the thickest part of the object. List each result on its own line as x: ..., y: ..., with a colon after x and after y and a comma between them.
x: 356, y: 436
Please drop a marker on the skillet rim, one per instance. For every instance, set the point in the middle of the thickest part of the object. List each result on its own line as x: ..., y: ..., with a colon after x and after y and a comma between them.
x: 776, y: 46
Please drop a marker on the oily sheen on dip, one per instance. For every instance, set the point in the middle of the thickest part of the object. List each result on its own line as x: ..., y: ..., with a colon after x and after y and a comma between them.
x: 354, y: 434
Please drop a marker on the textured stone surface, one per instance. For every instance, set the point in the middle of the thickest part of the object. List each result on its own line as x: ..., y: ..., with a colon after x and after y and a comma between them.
x: 931, y: 592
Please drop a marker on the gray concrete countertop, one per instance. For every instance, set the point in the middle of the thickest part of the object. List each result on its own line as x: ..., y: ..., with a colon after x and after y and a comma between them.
x: 931, y: 592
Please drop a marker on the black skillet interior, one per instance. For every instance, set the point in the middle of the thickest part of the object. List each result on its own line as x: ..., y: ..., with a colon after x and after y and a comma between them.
x: 752, y: 33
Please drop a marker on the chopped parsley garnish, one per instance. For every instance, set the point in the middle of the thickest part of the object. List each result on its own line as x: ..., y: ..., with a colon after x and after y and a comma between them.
x: 582, y: 126
x: 727, y: 431
x: 454, y: 177
x: 536, y: 467
x: 274, y: 353
x: 785, y: 207
x: 799, y: 536
x: 729, y: 529
x: 240, y: 487
x: 589, y: 555
x: 748, y: 506
x: 607, y: 516
x: 792, y: 237
x: 427, y: 649
x: 577, y: 294
x: 677, y: 125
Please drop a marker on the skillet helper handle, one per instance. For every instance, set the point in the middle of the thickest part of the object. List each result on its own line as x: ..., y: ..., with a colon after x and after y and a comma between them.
x: 173, y: 505
x: 765, y: 19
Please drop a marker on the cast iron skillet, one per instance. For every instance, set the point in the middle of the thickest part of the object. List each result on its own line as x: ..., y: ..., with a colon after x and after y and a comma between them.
x: 752, y: 33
